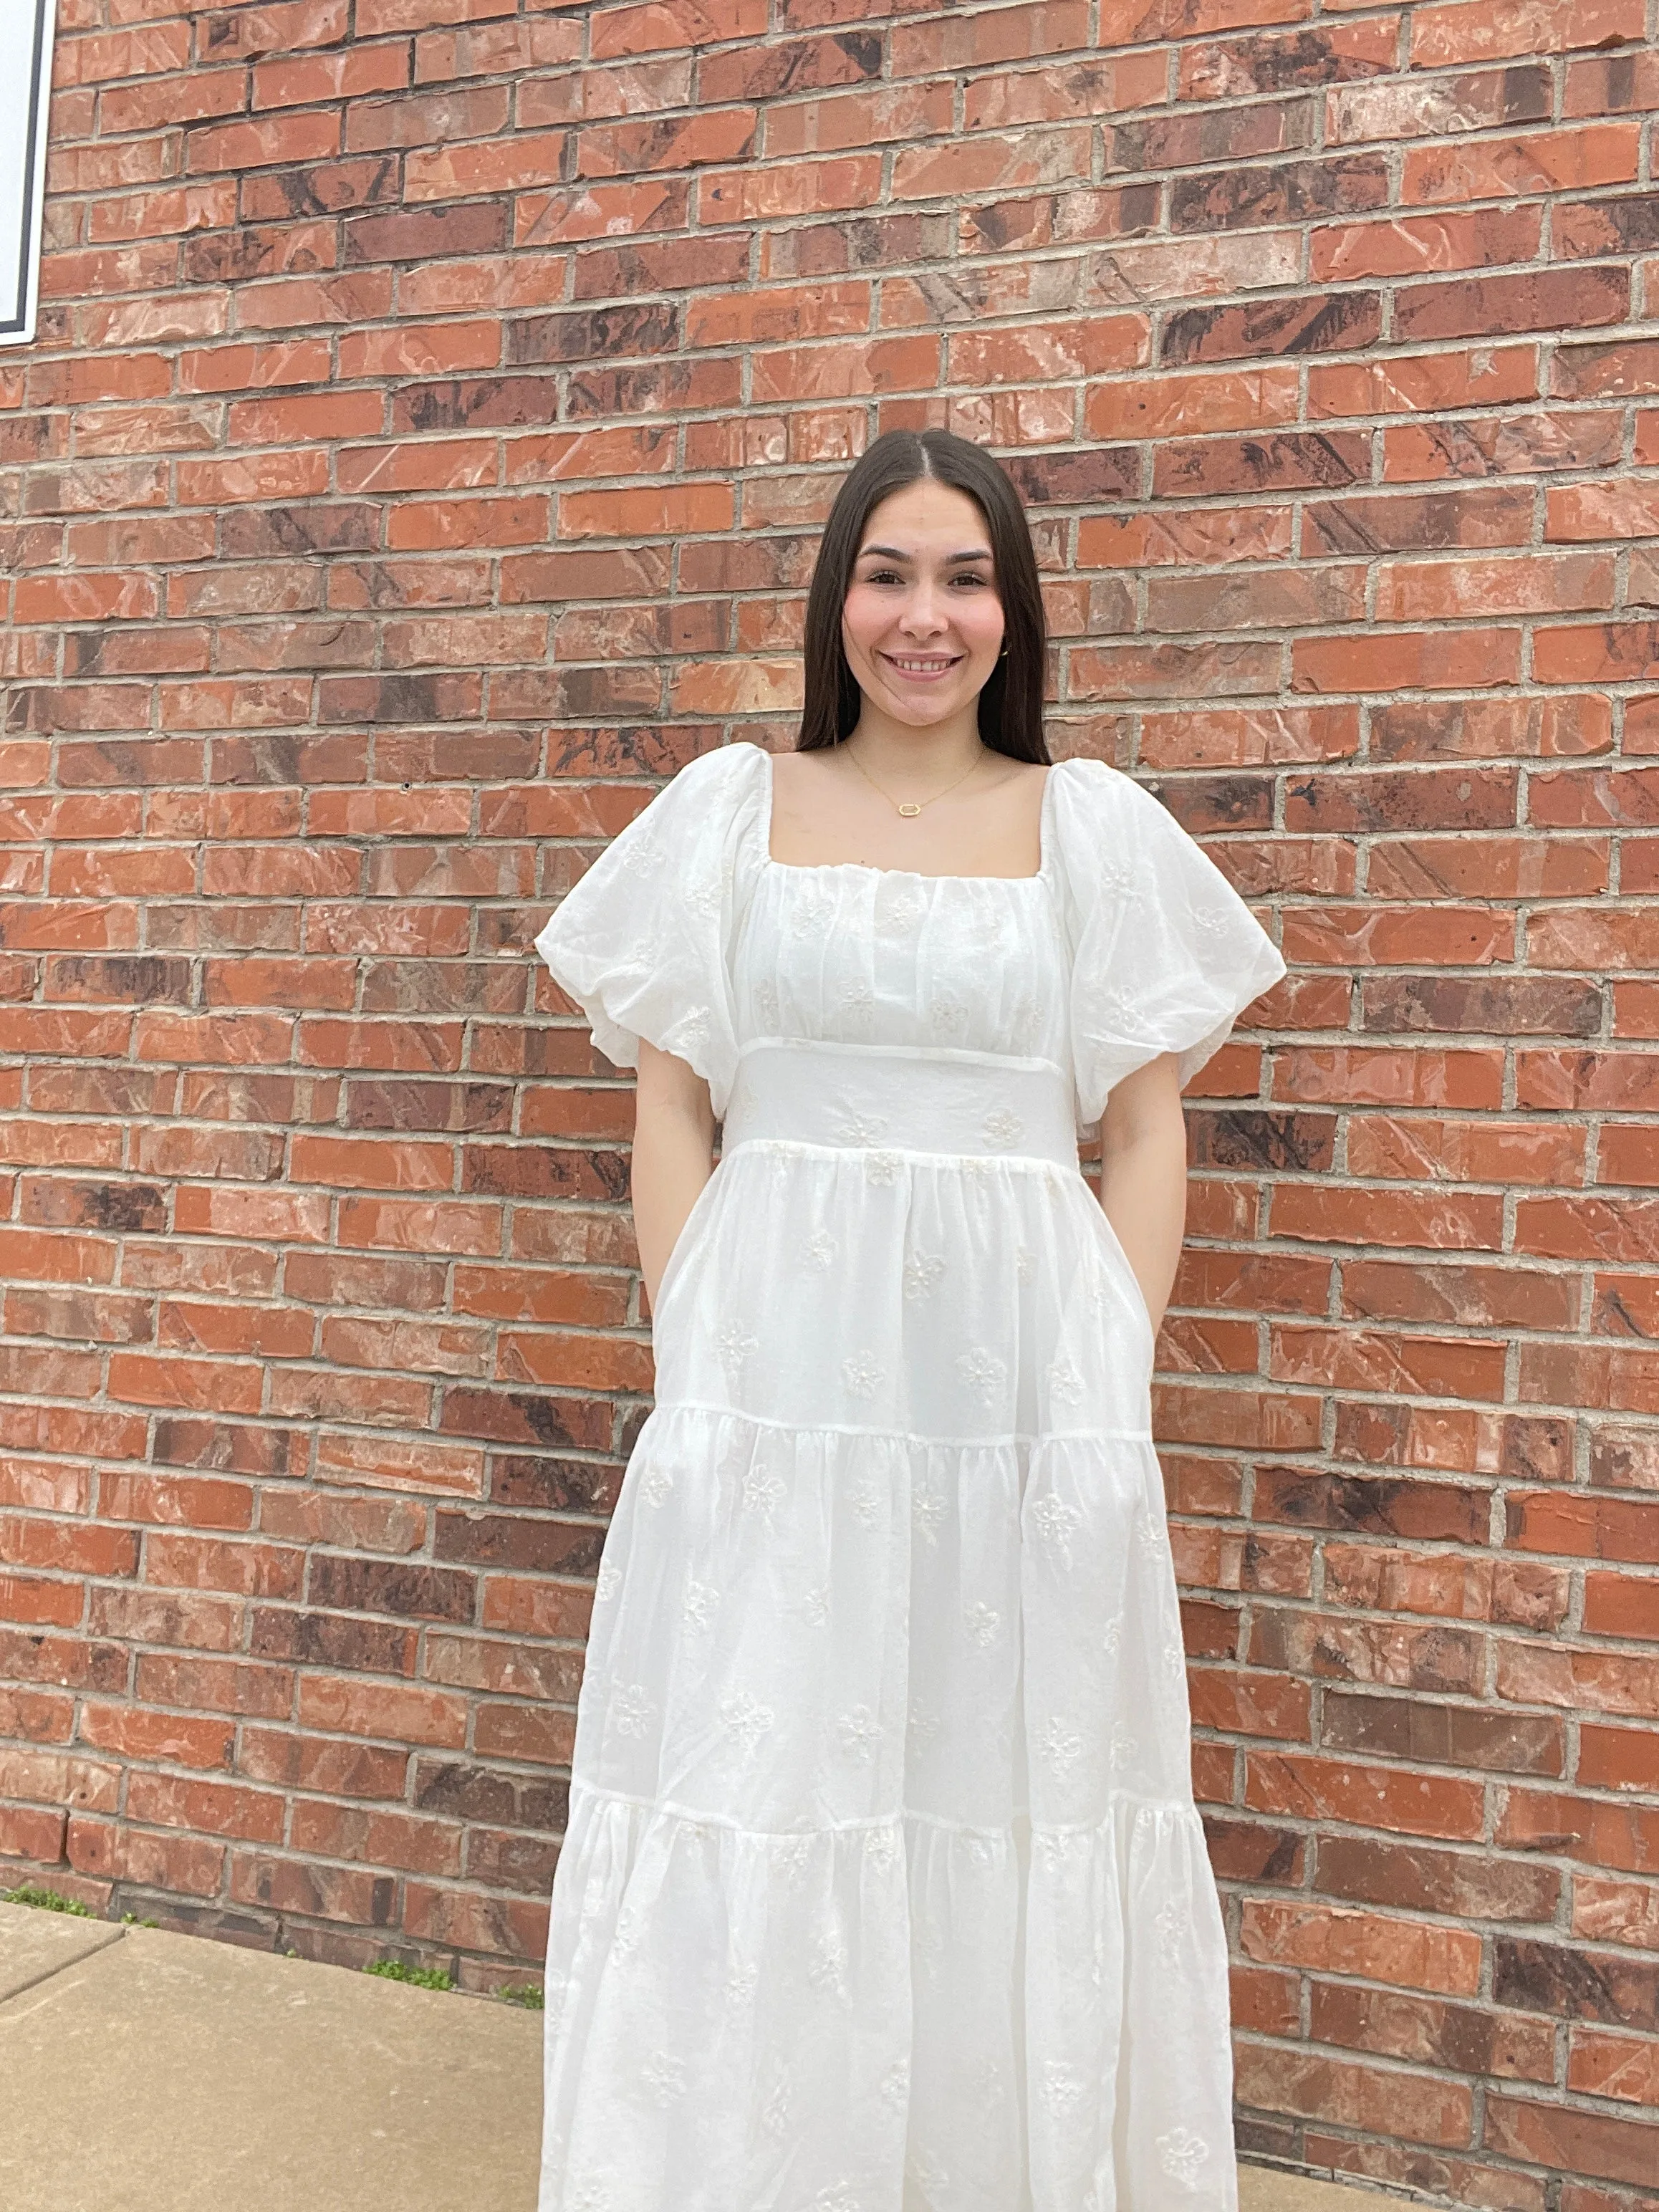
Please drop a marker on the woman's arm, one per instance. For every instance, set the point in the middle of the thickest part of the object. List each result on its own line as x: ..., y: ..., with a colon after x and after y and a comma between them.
x: 1143, y: 1175
x: 673, y: 1155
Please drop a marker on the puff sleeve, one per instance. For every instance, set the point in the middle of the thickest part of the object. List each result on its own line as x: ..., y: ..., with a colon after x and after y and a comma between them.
x: 1165, y: 954
x: 639, y: 942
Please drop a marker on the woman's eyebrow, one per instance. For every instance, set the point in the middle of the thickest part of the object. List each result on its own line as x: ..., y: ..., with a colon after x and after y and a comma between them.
x: 893, y: 553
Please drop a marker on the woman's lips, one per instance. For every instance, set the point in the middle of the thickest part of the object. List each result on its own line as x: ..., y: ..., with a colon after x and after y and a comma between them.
x: 922, y: 668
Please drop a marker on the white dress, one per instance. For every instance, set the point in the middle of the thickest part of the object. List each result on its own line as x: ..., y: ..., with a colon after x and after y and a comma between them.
x: 883, y: 1889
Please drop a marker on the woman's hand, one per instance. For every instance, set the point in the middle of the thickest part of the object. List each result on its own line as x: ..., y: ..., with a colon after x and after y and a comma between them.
x: 1143, y: 1176
x: 673, y: 1156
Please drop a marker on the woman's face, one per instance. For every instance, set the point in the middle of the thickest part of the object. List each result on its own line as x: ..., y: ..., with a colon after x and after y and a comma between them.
x: 921, y: 626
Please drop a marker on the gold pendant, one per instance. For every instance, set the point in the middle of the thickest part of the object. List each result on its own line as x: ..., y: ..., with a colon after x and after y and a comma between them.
x: 910, y: 807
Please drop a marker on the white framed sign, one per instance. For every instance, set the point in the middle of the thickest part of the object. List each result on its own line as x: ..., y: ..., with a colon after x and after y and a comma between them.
x: 26, y: 29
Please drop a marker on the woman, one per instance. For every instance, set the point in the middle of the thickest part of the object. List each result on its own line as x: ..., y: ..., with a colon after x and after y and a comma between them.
x: 883, y: 1889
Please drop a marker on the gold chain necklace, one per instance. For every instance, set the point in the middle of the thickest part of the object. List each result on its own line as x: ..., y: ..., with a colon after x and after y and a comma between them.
x: 909, y: 807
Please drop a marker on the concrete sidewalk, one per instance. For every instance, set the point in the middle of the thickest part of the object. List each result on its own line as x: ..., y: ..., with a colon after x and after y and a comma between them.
x: 145, y: 2072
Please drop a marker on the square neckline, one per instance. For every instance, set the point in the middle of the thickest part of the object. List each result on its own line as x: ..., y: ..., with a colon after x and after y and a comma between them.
x: 915, y: 875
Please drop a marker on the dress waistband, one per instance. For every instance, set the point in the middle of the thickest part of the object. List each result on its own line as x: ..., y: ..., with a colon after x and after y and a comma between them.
x: 898, y: 1098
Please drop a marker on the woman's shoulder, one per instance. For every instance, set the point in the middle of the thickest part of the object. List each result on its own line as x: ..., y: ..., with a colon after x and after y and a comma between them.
x: 732, y: 768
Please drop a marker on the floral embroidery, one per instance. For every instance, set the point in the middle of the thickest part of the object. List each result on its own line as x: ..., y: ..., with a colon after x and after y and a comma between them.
x: 863, y: 1374
x: 828, y: 1968
x: 857, y: 1007
x: 947, y: 1017
x: 983, y: 1373
x: 1063, y: 2088
x: 1061, y: 1747
x: 1121, y: 1749
x: 1025, y: 1021
x: 691, y: 1029
x: 1057, y: 1523
x: 741, y: 1983
x: 923, y: 1726
x: 859, y: 1732
x: 927, y: 1512
x: 606, y: 1582
x: 839, y: 2196
x: 1063, y: 1382
x: 895, y: 2082
x: 656, y: 1485
x: 1024, y: 1265
x: 1175, y: 1661
x: 705, y: 895
x: 631, y: 1709
x: 1002, y: 1129
x: 1111, y: 1636
x: 761, y: 1490
x: 625, y: 1936
x: 815, y: 1605
x: 865, y: 1506
x: 744, y: 1718
x: 734, y: 1345
x: 663, y: 2074
x: 590, y: 2194
x: 881, y: 1846
x: 697, y: 1604
x: 1182, y: 2154
x: 882, y: 1168
x: 810, y: 911
x: 852, y: 1128
x: 903, y: 908
x: 821, y: 1250
x: 923, y: 1273
x: 766, y: 1002
x: 983, y: 1625
x: 791, y: 1858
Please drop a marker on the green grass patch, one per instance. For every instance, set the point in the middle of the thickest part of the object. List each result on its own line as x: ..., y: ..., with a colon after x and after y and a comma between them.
x: 45, y: 1900
x: 527, y: 1994
x: 420, y: 1977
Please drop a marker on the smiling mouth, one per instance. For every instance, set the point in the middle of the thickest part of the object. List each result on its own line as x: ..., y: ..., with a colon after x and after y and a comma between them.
x: 922, y: 665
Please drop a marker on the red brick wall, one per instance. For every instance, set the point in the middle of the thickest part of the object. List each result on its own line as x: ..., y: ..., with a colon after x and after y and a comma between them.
x: 434, y: 408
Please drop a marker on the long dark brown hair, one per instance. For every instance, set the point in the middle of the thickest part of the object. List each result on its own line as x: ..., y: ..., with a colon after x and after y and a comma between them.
x: 1010, y: 705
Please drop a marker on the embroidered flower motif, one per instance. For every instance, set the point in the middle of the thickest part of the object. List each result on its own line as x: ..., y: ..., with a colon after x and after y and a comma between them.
x: 790, y: 1859
x: 857, y: 1007
x: 923, y: 1726
x: 1175, y: 1661
x: 1057, y: 1523
x: 815, y: 1605
x: 1208, y: 920
x: 761, y: 1490
x: 828, y: 1970
x: 631, y: 1710
x: 1062, y: 2087
x: 838, y: 2197
x: 606, y: 1582
x: 983, y: 1625
x: 1111, y: 1636
x: 923, y: 1273
x: 766, y: 1002
x: 895, y: 2083
x: 1002, y: 1129
x: 882, y: 1168
x: 744, y: 1718
x: 734, y: 1345
x: 989, y: 2085
x: 1181, y: 2155
x: 852, y: 1128
x: 656, y: 1485
x: 640, y: 853
x: 1151, y: 1532
x: 1063, y: 1382
x: 820, y: 1250
x: 859, y: 1732
x: 865, y: 1505
x: 927, y: 1513
x: 1060, y: 1745
x: 741, y: 1982
x: 1121, y: 1749
x: 1024, y: 1265
x: 881, y: 1845
x: 983, y: 1373
x: 697, y: 1604
x: 863, y: 1374
x: 590, y: 2194
x: 810, y: 911
x: 703, y: 894
x: 691, y: 1030
x: 625, y: 1936
x: 663, y: 2074
x: 947, y: 1017
x: 902, y: 910
x: 1025, y: 1021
